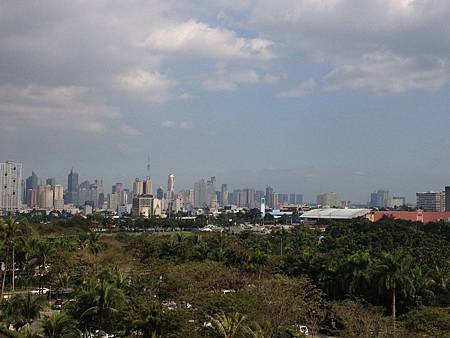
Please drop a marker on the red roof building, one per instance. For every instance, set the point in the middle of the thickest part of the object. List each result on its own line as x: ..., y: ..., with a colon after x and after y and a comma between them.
x: 415, y: 216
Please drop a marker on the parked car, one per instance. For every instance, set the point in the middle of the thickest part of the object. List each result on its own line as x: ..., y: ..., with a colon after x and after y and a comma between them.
x: 40, y: 291
x: 57, y: 305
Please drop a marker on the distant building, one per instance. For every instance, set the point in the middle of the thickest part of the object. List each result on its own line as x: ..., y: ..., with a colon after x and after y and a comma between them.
x: 45, y: 193
x: 200, y: 194
x: 447, y: 198
x: 269, y: 193
x: 10, y: 186
x: 431, y: 201
x: 50, y: 181
x: 146, y: 206
x: 160, y: 193
x: 72, y: 188
x: 170, y: 186
x: 31, y: 184
x: 414, y: 216
x: 379, y: 199
x: 334, y: 214
x: 224, y: 195
x: 58, y: 197
x: 283, y: 198
x: 329, y: 199
x: 397, y: 202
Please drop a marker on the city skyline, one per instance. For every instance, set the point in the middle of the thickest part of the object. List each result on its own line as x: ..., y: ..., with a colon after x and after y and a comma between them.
x: 307, y: 96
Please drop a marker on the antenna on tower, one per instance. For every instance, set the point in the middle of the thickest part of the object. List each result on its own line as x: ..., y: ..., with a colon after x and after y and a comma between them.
x: 148, y: 165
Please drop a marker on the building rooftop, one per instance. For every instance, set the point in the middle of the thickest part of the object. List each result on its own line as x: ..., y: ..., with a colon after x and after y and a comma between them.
x: 333, y: 213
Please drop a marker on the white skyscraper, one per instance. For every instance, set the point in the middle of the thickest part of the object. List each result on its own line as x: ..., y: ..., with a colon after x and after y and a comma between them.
x: 170, y: 186
x: 10, y: 186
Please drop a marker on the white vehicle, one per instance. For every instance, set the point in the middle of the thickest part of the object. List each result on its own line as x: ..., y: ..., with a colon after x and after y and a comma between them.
x: 41, y: 291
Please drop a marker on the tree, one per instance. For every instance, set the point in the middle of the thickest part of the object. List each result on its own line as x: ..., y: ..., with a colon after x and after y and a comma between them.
x: 21, y: 309
x: 12, y: 232
x: 60, y: 325
x: 394, y: 276
x: 357, y: 271
x: 228, y: 325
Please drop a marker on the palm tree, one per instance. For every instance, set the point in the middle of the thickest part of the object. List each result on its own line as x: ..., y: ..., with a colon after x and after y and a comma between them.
x: 357, y: 271
x: 12, y: 232
x: 23, y: 310
x: 394, y: 275
x: 60, y: 326
x: 228, y: 325
x: 105, y: 301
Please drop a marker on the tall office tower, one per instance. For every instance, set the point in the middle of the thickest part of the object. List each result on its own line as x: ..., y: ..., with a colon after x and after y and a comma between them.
x: 274, y: 199
x: 58, y: 197
x: 329, y: 199
x: 138, y: 187
x: 84, y: 193
x: 224, y: 195
x: 431, y: 201
x: 113, y: 201
x: 259, y: 194
x: 72, y: 188
x: 292, y: 198
x: 269, y: 192
x: 160, y: 193
x: 187, y: 197
x: 299, y: 199
x: 148, y: 186
x: 211, y: 190
x: 118, y: 190
x: 447, y: 198
x: 50, y: 181
x: 96, y: 193
x: 283, y: 198
x: 200, y: 194
x: 248, y: 196
x: 263, y: 207
x: 238, y: 198
x: 31, y: 184
x: 45, y: 197
x: 379, y: 199
x: 170, y: 186
x: 10, y: 186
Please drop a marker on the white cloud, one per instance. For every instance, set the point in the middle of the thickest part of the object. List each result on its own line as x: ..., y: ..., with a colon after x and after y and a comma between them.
x: 223, y: 80
x: 61, y: 107
x: 176, y: 125
x: 151, y: 86
x: 406, y: 40
x: 305, y: 88
x: 194, y: 38
x: 390, y: 73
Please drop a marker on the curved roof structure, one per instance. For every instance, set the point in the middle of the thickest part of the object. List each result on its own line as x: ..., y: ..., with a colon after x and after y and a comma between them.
x: 333, y: 213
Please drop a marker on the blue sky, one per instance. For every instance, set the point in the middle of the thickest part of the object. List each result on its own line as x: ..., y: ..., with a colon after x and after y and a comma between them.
x: 307, y: 96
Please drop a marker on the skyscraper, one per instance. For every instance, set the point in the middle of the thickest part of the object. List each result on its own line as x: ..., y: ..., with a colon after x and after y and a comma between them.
x: 72, y: 187
x: 269, y: 193
x: 170, y: 186
x: 50, y: 181
x: 447, y: 198
x: 31, y: 184
x: 10, y: 186
x: 224, y: 195
x: 329, y: 199
x: 379, y: 199
x: 160, y: 193
x: 200, y: 195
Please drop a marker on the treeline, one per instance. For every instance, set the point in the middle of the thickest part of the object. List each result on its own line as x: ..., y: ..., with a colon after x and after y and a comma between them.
x: 358, y: 279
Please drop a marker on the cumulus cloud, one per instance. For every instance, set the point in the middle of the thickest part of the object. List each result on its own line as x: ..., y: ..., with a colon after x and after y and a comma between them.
x: 382, y: 45
x: 62, y: 107
x: 229, y: 80
x: 151, y: 86
x: 303, y: 89
x: 194, y: 38
x: 176, y: 125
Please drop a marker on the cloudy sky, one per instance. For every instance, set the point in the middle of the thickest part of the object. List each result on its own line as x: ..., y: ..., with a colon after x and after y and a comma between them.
x: 305, y: 95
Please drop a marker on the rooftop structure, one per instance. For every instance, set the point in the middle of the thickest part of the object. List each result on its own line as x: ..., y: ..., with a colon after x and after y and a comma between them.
x: 332, y: 213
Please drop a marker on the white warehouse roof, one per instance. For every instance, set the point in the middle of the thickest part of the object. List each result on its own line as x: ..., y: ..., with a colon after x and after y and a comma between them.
x: 332, y: 213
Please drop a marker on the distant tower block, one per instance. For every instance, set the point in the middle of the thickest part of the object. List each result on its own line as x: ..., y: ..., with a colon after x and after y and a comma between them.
x: 263, y: 207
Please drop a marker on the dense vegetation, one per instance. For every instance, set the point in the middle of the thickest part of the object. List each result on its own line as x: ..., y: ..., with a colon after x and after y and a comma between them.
x: 357, y: 279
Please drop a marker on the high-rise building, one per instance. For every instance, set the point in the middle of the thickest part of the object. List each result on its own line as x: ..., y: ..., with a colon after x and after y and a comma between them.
x: 274, y: 200
x: 58, y: 197
x: 170, y: 186
x: 396, y: 202
x: 50, y: 181
x: 329, y: 199
x: 379, y: 199
x: 292, y: 199
x: 148, y: 186
x: 431, y: 201
x: 259, y: 195
x: 10, y: 186
x: 72, y: 188
x: 269, y: 193
x: 146, y: 206
x: 200, y: 194
x: 283, y: 198
x: 224, y: 195
x: 298, y: 199
x: 45, y: 193
x: 31, y: 184
x: 160, y: 193
x: 447, y: 198
x: 138, y: 187
x: 248, y: 196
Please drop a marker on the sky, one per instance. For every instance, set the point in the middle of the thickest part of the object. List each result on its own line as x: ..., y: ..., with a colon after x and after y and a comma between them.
x: 307, y: 96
